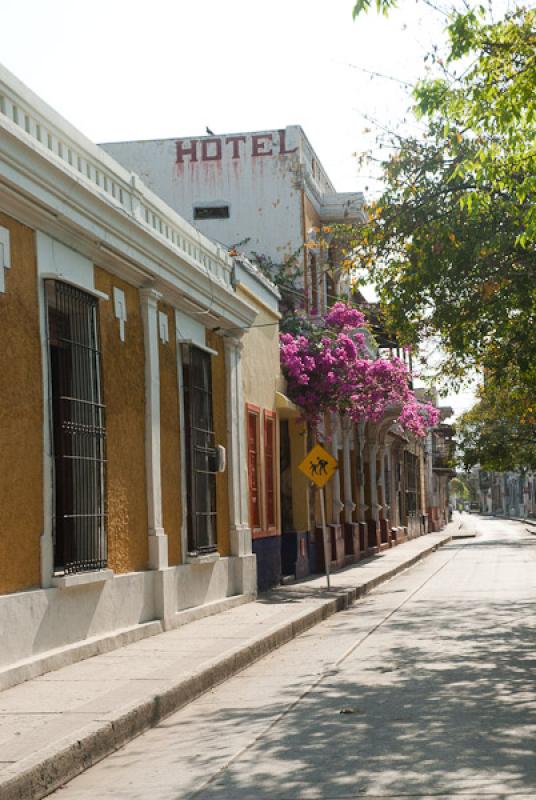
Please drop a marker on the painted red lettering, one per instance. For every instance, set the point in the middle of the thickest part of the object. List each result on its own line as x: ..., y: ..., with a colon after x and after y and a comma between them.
x: 186, y: 151
x: 283, y: 146
x: 235, y: 140
x: 258, y: 144
x: 205, y: 155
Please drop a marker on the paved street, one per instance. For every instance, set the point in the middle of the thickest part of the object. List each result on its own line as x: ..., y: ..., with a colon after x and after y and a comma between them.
x: 427, y: 688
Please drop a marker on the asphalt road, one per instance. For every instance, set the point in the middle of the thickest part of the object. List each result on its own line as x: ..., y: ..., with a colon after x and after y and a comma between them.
x: 425, y: 689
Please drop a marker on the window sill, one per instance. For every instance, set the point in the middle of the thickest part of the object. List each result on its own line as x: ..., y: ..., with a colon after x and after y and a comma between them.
x: 208, y: 558
x: 82, y: 579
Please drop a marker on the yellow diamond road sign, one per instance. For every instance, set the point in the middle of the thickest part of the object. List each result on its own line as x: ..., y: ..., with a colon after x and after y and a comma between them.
x: 319, y: 465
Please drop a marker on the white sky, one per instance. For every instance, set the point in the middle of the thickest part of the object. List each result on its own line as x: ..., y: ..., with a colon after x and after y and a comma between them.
x: 126, y: 69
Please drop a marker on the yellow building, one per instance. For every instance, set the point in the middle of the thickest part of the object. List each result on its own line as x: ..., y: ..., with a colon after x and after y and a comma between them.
x: 124, y: 494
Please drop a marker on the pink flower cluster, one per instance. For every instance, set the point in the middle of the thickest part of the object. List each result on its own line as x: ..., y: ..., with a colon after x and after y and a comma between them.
x: 418, y: 417
x: 328, y: 369
x: 342, y: 316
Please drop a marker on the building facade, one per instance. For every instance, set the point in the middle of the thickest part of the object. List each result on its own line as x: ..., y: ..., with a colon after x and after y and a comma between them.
x: 266, y: 194
x: 508, y: 494
x: 124, y: 502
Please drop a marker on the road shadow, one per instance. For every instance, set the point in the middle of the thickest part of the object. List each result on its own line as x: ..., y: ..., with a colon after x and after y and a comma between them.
x: 440, y: 702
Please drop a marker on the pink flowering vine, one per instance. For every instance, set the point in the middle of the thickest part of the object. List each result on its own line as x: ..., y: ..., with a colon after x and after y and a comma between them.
x: 418, y: 417
x: 328, y: 368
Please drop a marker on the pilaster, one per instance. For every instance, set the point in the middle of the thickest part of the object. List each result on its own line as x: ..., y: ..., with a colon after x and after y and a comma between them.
x: 374, y: 507
x: 240, y: 533
x: 361, y: 446
x: 158, y: 546
x: 349, y: 505
x: 337, y: 505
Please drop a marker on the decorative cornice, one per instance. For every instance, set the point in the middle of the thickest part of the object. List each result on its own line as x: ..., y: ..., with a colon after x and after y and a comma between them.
x: 60, y: 182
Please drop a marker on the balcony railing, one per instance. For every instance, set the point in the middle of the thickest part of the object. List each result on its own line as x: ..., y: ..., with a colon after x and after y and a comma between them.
x: 60, y: 142
x: 443, y: 448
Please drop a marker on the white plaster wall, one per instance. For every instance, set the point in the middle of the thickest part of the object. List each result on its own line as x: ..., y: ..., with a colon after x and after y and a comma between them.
x: 206, y: 582
x: 39, y: 620
x: 34, y: 622
x: 263, y: 191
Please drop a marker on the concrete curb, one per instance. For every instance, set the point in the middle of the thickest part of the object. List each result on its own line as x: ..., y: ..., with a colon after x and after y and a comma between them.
x: 44, y: 772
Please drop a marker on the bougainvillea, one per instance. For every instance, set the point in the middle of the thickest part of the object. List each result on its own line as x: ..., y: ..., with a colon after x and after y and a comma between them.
x: 418, y: 417
x: 329, y: 368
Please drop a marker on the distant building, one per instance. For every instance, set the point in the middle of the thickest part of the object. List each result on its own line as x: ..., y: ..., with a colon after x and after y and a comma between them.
x: 509, y: 494
x: 261, y: 191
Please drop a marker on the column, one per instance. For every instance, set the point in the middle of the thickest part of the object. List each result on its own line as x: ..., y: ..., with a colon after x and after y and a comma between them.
x: 240, y: 533
x: 361, y: 446
x: 374, y: 507
x: 389, y: 507
x: 158, y: 546
x: 382, y: 481
x: 337, y: 505
x: 349, y: 504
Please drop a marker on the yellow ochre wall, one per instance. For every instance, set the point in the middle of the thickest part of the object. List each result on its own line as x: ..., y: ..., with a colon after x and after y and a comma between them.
x: 219, y: 403
x: 170, y: 440
x: 260, y: 360
x: 300, y: 484
x: 21, y: 416
x: 124, y: 397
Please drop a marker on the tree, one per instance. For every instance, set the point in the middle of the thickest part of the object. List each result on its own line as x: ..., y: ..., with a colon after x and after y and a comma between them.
x: 499, y: 432
x: 451, y: 243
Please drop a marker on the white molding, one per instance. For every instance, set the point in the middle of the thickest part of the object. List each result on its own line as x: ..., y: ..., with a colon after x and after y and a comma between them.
x: 46, y: 540
x: 241, y: 544
x: 82, y: 579
x: 120, y: 310
x: 190, y: 330
x: 158, y: 553
x: 55, y: 180
x: 182, y: 433
x: 56, y: 260
x: 194, y: 343
x: 5, y: 256
x: 66, y: 279
x: 209, y: 558
x: 163, y: 326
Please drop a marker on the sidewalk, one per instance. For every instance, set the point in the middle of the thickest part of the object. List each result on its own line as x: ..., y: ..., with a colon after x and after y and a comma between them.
x: 55, y: 726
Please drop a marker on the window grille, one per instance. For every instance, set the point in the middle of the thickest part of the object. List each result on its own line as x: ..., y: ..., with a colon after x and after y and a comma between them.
x: 201, y: 450
x: 253, y: 469
x: 269, y: 470
x: 78, y: 428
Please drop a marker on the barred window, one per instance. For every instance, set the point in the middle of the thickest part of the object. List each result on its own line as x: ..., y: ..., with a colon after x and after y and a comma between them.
x: 78, y: 429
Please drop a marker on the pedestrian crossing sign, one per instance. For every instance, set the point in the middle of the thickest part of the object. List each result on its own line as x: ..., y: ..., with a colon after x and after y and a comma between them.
x: 319, y: 465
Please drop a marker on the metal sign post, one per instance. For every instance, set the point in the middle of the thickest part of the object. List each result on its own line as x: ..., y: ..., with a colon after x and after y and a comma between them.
x: 325, y: 535
x: 319, y: 466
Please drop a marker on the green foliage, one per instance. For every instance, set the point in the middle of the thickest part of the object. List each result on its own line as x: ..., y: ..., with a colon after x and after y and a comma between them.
x: 382, y: 6
x: 285, y: 276
x: 499, y: 432
x: 451, y: 244
x: 458, y: 487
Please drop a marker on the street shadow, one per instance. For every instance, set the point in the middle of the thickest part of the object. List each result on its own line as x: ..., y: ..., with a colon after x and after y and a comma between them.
x: 443, y: 704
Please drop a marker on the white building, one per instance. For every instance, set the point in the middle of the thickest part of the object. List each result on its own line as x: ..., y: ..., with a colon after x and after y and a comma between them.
x: 260, y: 191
